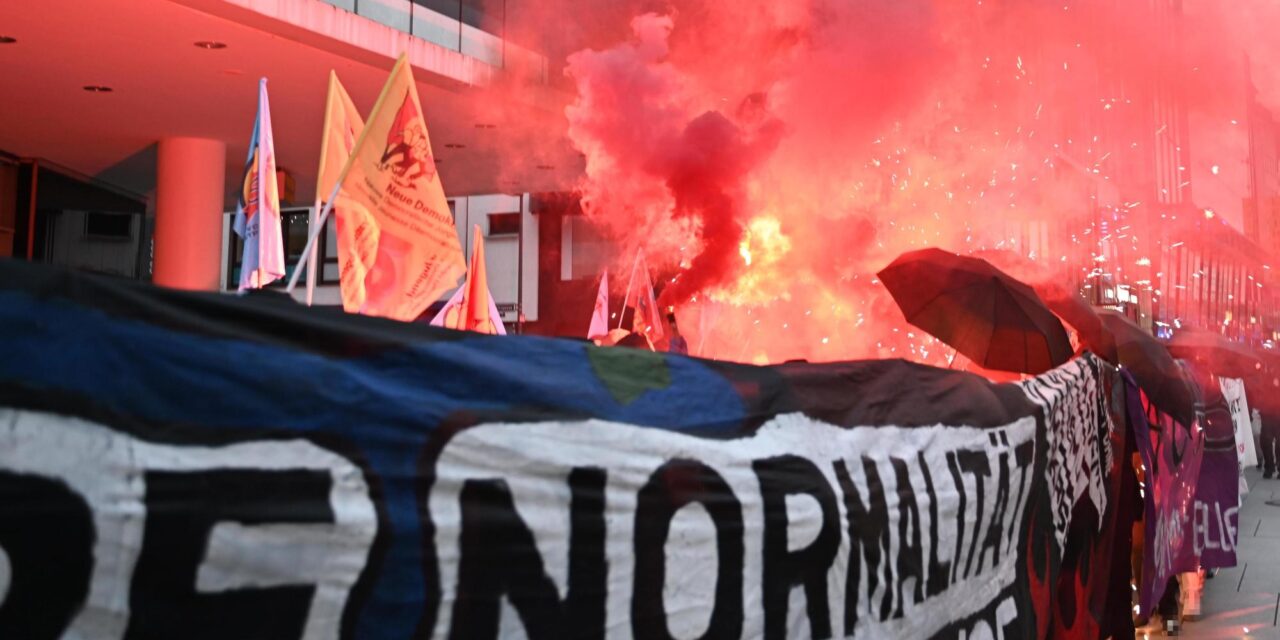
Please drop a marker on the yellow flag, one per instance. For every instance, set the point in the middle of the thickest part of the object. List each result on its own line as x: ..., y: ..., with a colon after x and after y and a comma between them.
x: 342, y: 126
x: 402, y: 249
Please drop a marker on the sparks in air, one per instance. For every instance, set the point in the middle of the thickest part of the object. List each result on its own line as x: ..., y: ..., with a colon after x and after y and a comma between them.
x: 776, y: 192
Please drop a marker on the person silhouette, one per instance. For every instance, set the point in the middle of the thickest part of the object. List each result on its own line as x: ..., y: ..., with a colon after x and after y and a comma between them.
x: 676, y: 342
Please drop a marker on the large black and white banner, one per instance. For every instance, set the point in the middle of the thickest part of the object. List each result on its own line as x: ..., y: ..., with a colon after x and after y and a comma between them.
x: 181, y: 465
x: 802, y: 529
x: 135, y: 539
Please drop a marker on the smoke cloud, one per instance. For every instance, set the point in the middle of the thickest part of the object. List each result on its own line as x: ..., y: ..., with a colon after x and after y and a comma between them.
x: 769, y: 158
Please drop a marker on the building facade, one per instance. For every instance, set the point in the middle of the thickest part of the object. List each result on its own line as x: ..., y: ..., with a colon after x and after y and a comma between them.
x: 123, y: 150
x: 133, y: 173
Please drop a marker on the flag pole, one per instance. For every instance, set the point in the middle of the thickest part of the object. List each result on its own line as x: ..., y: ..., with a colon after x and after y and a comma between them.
x: 312, y: 255
x: 604, y: 274
x: 520, y: 242
x: 311, y: 241
x: 315, y: 209
x: 627, y: 296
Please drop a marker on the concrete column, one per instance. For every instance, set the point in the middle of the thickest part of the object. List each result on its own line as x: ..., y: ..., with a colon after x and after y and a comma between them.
x: 190, y: 186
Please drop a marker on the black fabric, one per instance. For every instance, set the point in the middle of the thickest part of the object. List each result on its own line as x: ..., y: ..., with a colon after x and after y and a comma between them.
x: 264, y: 317
x: 894, y: 392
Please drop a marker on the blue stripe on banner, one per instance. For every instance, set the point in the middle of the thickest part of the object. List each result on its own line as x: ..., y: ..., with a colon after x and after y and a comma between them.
x: 386, y: 404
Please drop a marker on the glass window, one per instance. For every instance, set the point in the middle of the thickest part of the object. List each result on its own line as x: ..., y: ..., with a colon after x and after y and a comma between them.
x: 448, y: 8
x: 486, y: 15
x: 503, y: 224
x: 294, y: 230
x: 591, y: 251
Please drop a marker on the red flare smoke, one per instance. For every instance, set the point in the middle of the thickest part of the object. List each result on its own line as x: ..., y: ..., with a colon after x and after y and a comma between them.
x: 770, y: 157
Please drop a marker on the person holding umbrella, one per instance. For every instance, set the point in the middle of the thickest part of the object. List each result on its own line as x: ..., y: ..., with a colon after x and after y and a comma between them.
x: 1270, y: 443
x: 1265, y: 395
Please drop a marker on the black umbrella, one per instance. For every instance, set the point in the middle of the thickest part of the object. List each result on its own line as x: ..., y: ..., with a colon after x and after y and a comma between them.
x: 993, y: 319
x: 1220, y: 355
x: 1084, y: 319
x: 1151, y: 365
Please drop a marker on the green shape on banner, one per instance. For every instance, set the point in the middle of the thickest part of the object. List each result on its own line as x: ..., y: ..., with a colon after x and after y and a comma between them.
x: 627, y: 373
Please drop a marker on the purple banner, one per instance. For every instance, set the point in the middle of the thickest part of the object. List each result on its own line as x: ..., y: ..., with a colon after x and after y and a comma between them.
x: 1171, y: 457
x: 1217, y: 503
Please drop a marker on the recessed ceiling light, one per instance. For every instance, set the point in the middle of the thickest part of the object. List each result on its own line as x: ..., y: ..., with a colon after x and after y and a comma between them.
x: 546, y: 167
x: 482, y: 125
x: 454, y: 145
x: 211, y: 44
x: 97, y: 88
x: 7, y: 40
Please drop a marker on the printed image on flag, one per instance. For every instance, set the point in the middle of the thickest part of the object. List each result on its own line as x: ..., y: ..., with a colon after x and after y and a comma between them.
x: 407, y: 153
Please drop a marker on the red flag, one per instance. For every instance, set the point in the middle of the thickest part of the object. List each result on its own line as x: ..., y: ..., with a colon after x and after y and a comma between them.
x: 647, y: 321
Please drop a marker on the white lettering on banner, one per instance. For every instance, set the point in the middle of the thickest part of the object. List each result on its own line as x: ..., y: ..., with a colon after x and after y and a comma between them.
x: 803, y: 528
x: 1208, y: 521
x: 1233, y: 391
x: 136, y: 490
x: 1169, y: 532
x: 1006, y: 613
x: 1079, y: 443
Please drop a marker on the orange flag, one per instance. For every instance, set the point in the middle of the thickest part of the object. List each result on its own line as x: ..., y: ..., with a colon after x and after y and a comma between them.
x: 402, y: 245
x: 472, y: 307
x: 476, y: 301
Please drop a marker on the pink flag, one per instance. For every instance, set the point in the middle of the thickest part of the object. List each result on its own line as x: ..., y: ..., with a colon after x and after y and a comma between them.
x: 465, y: 310
x: 600, y: 316
x: 448, y: 316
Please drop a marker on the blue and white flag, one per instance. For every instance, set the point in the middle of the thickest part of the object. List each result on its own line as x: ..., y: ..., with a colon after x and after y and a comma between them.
x: 258, y: 211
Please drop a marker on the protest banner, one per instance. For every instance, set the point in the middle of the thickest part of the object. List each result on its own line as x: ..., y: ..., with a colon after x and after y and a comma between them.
x: 194, y: 465
x: 1215, y: 521
x: 1233, y: 392
x: 1171, y: 454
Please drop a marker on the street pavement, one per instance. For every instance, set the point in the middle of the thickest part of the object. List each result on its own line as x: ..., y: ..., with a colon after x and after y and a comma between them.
x: 1247, y: 596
